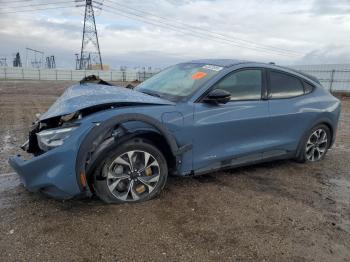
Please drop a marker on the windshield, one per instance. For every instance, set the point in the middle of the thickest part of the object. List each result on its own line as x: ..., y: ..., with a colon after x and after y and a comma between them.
x: 178, y: 81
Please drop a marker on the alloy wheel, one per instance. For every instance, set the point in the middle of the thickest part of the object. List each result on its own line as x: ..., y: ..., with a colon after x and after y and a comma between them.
x: 316, y: 145
x: 133, y: 175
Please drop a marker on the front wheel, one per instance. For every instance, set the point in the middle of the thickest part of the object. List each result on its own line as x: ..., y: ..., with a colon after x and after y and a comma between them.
x: 134, y: 171
x: 315, y: 145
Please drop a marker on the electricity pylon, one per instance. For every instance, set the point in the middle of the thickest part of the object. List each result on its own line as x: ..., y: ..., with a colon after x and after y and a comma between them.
x: 90, y: 48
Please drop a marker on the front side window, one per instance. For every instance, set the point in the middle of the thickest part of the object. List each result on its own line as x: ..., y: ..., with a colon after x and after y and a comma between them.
x: 243, y: 85
x: 284, y: 86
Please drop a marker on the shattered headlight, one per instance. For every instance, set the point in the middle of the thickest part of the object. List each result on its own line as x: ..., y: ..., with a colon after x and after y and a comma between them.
x: 51, y: 138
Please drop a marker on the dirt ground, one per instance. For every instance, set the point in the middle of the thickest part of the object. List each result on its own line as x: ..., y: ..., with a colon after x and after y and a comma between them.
x: 280, y: 211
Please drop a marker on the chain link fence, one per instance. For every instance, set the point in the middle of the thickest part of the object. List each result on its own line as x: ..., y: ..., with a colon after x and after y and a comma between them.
x: 333, y: 77
x: 9, y: 73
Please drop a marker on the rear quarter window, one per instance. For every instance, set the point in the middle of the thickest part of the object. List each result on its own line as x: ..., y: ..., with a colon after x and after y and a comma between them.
x: 284, y: 86
x: 308, y: 88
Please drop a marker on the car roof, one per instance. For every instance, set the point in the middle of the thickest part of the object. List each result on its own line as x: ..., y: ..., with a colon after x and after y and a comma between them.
x: 219, y: 62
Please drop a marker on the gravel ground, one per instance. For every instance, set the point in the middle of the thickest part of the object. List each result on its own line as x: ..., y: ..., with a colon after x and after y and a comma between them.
x: 279, y: 211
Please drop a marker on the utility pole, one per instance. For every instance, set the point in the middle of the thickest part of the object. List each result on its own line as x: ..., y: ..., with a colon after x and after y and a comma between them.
x: 17, y: 60
x: 36, y: 62
x: 90, y: 48
x: 3, y: 61
x: 50, y: 62
x: 77, y: 62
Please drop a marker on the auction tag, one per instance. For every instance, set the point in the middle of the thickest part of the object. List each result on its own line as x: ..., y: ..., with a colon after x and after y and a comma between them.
x: 198, y: 75
x: 213, y: 67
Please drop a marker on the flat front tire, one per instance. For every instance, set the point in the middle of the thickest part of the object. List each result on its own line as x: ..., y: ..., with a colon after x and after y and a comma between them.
x: 134, y: 171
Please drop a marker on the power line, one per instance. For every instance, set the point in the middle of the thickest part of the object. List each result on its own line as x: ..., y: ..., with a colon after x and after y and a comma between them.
x: 36, y: 5
x: 19, y: 1
x: 166, y: 23
x: 37, y: 9
x: 184, y: 25
x: 177, y: 28
x: 187, y: 31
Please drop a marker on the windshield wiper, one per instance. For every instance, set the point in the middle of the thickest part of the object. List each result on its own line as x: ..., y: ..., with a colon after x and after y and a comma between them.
x: 150, y: 93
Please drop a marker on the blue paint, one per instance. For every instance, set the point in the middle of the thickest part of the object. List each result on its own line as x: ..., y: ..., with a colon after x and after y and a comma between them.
x: 82, y: 96
x: 221, y: 135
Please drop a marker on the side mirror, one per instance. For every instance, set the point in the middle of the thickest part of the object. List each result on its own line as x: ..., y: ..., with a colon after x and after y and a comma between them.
x: 217, y: 96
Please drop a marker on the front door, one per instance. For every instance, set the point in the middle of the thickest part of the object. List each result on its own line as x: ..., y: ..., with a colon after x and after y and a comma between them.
x: 235, y: 132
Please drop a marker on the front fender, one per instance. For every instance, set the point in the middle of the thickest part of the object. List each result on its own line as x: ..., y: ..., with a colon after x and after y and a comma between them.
x: 102, y: 131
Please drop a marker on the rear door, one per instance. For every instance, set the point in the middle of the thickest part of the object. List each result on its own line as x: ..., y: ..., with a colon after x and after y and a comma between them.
x: 235, y: 132
x: 290, y: 110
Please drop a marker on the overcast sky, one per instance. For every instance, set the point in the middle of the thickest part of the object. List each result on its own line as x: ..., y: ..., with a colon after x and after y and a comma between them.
x: 283, y: 31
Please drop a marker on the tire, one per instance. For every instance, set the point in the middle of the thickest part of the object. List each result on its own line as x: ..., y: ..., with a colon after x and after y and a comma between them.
x: 311, y: 145
x: 115, y: 182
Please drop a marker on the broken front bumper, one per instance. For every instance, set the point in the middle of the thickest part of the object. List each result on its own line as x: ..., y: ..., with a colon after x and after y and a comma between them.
x: 53, y: 172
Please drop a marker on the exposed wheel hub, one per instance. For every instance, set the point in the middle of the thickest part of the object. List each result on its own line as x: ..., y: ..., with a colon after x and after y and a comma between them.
x: 135, y: 174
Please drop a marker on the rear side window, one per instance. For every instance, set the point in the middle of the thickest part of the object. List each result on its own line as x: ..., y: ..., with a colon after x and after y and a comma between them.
x: 243, y: 85
x: 308, y: 88
x: 284, y: 86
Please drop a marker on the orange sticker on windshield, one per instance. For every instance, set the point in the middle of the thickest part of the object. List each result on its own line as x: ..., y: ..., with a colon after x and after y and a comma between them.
x: 198, y: 75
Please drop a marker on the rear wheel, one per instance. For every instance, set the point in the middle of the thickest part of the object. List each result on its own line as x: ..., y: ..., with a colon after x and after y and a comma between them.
x: 315, y: 145
x: 133, y: 172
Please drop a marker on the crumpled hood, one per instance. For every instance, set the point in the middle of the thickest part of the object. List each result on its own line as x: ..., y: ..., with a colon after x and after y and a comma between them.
x: 82, y: 96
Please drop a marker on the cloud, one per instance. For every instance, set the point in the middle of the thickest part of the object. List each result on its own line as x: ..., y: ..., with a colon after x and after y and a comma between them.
x: 332, y: 54
x: 331, y: 7
x: 123, y: 26
x: 316, y: 31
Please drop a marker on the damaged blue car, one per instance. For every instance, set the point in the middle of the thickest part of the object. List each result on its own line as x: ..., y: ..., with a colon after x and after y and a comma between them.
x: 189, y: 119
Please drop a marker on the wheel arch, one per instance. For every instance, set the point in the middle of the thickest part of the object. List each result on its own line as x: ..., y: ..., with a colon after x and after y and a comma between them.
x: 323, y: 121
x: 327, y: 123
x: 103, y: 138
x: 330, y: 127
x: 159, y: 141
